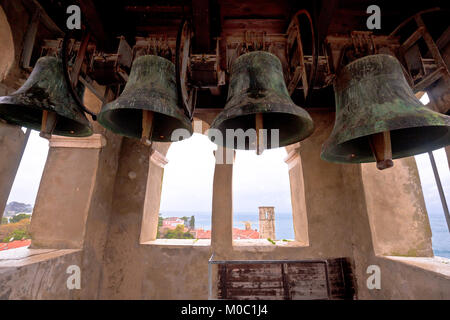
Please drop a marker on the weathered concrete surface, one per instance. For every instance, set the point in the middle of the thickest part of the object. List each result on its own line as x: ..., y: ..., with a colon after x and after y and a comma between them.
x: 222, y: 203
x: 396, y: 208
x: 297, y: 187
x: 12, y: 145
x: 36, y: 274
x: 121, y: 276
x: 153, y: 194
x: 18, y: 17
x: 7, y: 41
x: 63, y: 199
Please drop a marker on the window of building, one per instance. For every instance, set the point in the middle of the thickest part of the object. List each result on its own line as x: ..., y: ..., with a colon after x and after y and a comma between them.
x: 14, y: 230
x: 438, y: 223
x: 186, y: 198
x: 262, y: 208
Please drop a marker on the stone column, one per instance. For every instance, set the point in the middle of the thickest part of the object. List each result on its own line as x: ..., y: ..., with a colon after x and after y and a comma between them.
x: 158, y: 161
x: 121, y: 267
x: 65, y: 192
x: 68, y: 183
x: 396, y: 207
x: 222, y: 203
x: 299, y: 215
x: 12, y: 145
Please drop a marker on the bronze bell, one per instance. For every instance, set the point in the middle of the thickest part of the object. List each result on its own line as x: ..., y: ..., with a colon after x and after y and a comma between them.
x: 258, y: 99
x: 378, y: 118
x: 44, y: 103
x: 148, y: 107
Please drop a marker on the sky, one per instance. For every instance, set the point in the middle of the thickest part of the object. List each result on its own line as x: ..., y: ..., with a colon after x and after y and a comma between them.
x: 257, y: 180
x: 188, y: 178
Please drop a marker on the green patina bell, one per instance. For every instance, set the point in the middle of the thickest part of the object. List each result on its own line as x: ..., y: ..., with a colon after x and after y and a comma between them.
x: 258, y: 99
x: 148, y: 108
x: 378, y: 118
x: 44, y: 103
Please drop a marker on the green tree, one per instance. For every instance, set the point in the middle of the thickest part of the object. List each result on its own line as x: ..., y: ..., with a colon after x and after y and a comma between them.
x: 186, y: 220
x: 160, y: 223
x: 20, y: 217
x: 4, y: 220
x: 178, y: 233
x: 18, y: 234
x: 192, y: 223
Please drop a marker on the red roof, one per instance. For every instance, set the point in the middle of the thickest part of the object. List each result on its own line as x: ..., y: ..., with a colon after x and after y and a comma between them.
x: 202, y: 234
x: 238, y: 234
x: 14, y: 244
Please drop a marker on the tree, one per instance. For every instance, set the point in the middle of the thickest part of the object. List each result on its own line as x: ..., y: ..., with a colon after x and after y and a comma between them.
x: 4, y: 220
x: 160, y: 223
x: 178, y: 233
x: 186, y: 220
x: 19, y: 217
x: 192, y: 223
x: 18, y: 234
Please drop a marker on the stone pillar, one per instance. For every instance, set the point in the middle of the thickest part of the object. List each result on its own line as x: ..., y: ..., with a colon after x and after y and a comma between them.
x: 150, y: 217
x: 222, y: 203
x: 333, y: 196
x: 396, y: 207
x: 121, y: 260
x: 67, y: 185
x: 65, y: 192
x: 12, y: 145
x: 299, y: 215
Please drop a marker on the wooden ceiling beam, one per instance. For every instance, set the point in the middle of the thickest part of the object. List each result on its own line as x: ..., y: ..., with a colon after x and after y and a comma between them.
x: 157, y: 9
x: 92, y: 18
x: 202, y: 25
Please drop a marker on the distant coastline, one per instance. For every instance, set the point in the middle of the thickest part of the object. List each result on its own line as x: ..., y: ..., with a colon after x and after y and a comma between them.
x: 284, y: 227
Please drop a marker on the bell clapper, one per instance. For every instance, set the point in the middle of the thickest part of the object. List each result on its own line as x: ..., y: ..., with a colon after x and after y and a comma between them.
x: 380, y: 144
x: 147, y: 127
x: 259, y: 134
x: 48, y: 124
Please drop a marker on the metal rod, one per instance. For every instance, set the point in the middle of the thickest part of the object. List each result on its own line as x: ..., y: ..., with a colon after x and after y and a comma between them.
x: 264, y: 261
x: 210, y: 277
x: 440, y: 189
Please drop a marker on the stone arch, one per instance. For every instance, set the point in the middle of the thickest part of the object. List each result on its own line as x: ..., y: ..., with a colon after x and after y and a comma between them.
x: 7, y: 41
x: 158, y: 161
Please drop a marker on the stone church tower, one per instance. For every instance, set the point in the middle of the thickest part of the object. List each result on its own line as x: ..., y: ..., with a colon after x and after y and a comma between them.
x: 267, y: 223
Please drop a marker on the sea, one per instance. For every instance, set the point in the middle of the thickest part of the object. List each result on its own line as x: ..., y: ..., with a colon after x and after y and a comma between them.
x: 284, y: 228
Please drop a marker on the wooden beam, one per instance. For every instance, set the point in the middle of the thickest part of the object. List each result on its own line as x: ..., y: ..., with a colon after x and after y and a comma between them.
x: 156, y: 9
x: 30, y: 38
x: 92, y: 18
x: 202, y: 25
x: 45, y: 19
x: 327, y: 10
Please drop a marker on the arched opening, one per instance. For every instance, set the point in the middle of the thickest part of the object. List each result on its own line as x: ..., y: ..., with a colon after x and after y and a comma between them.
x: 179, y: 192
x: 263, y: 199
x: 440, y: 232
